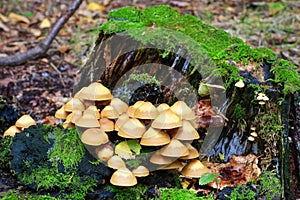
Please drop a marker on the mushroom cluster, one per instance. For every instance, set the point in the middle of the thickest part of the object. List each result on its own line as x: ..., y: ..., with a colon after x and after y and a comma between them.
x: 169, y: 130
x: 22, y: 123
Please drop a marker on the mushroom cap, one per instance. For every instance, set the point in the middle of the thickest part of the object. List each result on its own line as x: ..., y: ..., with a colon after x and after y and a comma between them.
x: 155, y: 137
x: 96, y: 92
x: 119, y: 105
x: 146, y: 111
x: 74, y: 104
x: 166, y: 120
x: 131, y: 109
x: 109, y: 112
x: 158, y: 159
x: 132, y: 128
x: 11, y: 131
x: 25, y: 121
x: 162, y: 107
x: 72, y: 117
x: 174, y: 165
x: 193, y: 152
x: 87, y: 120
x: 93, y: 110
x: 140, y: 171
x: 120, y: 121
x: 262, y: 97
x: 107, y: 124
x: 194, y: 169
x: 104, y: 152
x: 174, y: 149
x: 254, y: 134
x: 239, y: 84
x: 116, y: 162
x: 186, y: 132
x: 61, y: 113
x: 79, y: 94
x: 183, y: 111
x: 67, y: 124
x: 94, y: 137
x: 123, y: 177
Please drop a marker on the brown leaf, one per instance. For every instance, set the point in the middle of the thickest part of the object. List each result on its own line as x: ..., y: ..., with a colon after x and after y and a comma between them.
x: 18, y: 18
x: 63, y: 48
x: 4, y: 27
x: 3, y: 18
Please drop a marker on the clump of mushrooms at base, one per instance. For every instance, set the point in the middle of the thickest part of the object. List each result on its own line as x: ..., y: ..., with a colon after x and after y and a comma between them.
x: 169, y: 130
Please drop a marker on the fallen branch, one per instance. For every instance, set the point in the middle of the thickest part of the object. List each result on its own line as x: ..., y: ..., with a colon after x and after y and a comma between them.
x: 41, y: 49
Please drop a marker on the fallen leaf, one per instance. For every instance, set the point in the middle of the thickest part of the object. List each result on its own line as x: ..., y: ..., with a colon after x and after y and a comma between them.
x: 93, y: 6
x: 4, y: 27
x: 3, y: 18
x: 45, y: 23
x: 36, y: 32
x: 18, y: 18
x: 63, y: 48
x: 123, y: 150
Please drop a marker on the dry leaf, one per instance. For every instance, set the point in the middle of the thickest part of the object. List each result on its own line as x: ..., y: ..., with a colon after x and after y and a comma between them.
x: 95, y: 6
x: 63, y: 48
x: 18, y: 18
x: 45, y: 23
x: 36, y: 32
x: 4, y: 27
x: 3, y: 18
x: 123, y: 150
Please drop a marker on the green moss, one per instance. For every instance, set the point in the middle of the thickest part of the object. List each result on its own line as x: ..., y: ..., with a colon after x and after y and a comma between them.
x: 18, y: 195
x: 179, y: 194
x: 5, y: 157
x: 242, y: 192
x: 136, y: 192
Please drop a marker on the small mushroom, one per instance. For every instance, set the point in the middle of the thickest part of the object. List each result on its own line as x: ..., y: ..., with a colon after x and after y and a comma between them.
x: 109, y: 112
x: 87, y: 120
x: 174, y: 165
x: 155, y: 137
x: 24, y: 122
x: 104, y: 152
x: 186, y: 132
x: 61, y: 113
x: 123, y: 177
x: 162, y: 107
x: 11, y: 131
x: 254, y: 134
x: 146, y: 111
x: 166, y: 120
x: 183, y: 111
x: 251, y: 138
x: 121, y: 120
x: 262, y: 97
x: 239, y: 84
x: 74, y: 104
x: 116, y: 162
x: 107, y: 124
x: 94, y: 137
x: 158, y: 159
x: 140, y: 171
x: 132, y: 128
x: 194, y: 169
x: 119, y: 105
x: 174, y: 149
x: 193, y: 152
x: 131, y: 109
x: 96, y: 92
x: 93, y: 110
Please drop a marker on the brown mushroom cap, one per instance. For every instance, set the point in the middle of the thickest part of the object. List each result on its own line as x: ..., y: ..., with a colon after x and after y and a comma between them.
x: 131, y: 109
x: 158, y: 159
x: 146, y: 111
x: 61, y: 113
x: 140, y: 171
x: 104, y: 152
x: 186, y: 132
x: 116, y: 162
x: 11, y: 131
x: 94, y: 137
x: 193, y: 152
x: 121, y: 120
x: 72, y: 117
x: 109, y: 112
x: 25, y: 121
x: 74, y: 104
x: 194, y: 169
x: 174, y: 149
x: 174, y: 165
x: 183, y: 111
x: 155, y: 137
x: 166, y: 120
x: 132, y: 128
x: 93, y: 110
x: 162, y: 107
x: 119, y: 105
x: 123, y: 177
x: 87, y: 120
x: 107, y: 124
x: 96, y: 92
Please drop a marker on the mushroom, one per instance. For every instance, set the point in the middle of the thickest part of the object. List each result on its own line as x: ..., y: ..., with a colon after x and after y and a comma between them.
x: 193, y: 152
x: 146, y: 111
x: 131, y: 109
x: 119, y: 105
x: 72, y: 117
x: 155, y: 137
x: 109, y: 112
x: 174, y: 165
x: 158, y: 159
x: 194, y: 169
x: 132, y: 128
x: 183, y: 111
x: 74, y: 104
x: 123, y: 177
x: 166, y: 120
x: 239, y: 84
x: 121, y: 120
x: 104, y: 152
x: 11, y: 131
x: 186, y: 132
x: 174, y: 149
x: 107, y: 124
x: 116, y: 162
x: 61, y: 113
x: 96, y: 92
x: 94, y: 137
x: 24, y: 122
x: 140, y: 171
x: 87, y: 120
x: 262, y: 97
x: 93, y: 110
x: 162, y: 107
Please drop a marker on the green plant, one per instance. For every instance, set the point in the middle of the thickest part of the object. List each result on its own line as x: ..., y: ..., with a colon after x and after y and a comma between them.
x: 180, y: 194
x: 18, y: 195
x: 128, y: 193
x: 269, y: 185
x: 242, y: 192
x: 5, y: 157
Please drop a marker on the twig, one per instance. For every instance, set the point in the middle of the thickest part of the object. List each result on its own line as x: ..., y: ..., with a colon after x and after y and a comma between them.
x: 41, y: 49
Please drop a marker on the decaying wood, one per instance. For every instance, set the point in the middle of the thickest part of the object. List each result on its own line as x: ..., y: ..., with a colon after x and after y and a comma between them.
x: 41, y: 49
